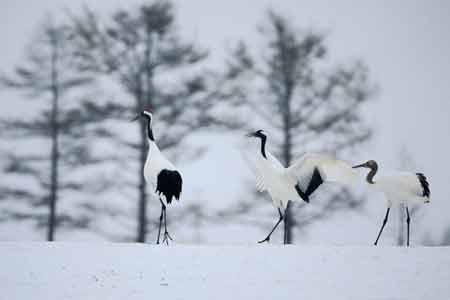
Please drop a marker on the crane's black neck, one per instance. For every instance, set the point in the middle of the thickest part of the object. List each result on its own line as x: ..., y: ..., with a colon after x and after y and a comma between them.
x: 371, y: 175
x: 263, y: 146
x: 149, y: 129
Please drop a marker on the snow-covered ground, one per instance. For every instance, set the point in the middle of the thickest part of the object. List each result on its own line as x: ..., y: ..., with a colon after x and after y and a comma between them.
x: 132, y: 271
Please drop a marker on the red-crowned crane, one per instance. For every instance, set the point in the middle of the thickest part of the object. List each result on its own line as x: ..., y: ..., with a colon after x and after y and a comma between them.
x: 162, y: 176
x: 400, y: 188
x: 298, y: 181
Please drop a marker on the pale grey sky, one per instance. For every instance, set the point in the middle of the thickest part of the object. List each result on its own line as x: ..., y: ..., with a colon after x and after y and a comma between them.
x: 405, y: 43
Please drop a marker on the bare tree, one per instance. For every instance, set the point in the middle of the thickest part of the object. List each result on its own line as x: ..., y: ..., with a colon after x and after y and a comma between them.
x: 142, y: 51
x: 49, y: 76
x: 304, y: 103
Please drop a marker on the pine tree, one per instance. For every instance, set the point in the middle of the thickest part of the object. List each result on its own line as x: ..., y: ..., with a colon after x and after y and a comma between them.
x: 141, y: 50
x: 305, y: 104
x: 47, y: 146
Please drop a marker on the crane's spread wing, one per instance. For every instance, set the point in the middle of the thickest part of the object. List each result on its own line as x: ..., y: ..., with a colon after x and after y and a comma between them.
x: 312, y: 166
x: 260, y: 167
x: 255, y: 166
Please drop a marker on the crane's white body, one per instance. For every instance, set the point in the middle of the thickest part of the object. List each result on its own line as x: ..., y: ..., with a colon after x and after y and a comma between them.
x: 280, y: 182
x: 272, y: 177
x: 298, y: 181
x: 400, y: 188
x: 165, y: 181
x: 154, y: 164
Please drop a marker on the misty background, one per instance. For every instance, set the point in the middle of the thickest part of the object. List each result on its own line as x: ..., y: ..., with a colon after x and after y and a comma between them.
x: 405, y: 47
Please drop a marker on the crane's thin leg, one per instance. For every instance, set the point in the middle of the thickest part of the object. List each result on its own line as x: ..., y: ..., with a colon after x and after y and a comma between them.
x: 408, y: 220
x: 267, y: 239
x: 285, y: 239
x: 382, y: 226
x: 160, y: 222
x: 167, y: 236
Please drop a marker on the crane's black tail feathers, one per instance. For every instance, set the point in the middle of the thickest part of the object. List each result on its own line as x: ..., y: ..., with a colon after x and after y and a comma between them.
x: 425, y: 186
x: 314, y: 183
x: 169, y: 184
x: 301, y: 194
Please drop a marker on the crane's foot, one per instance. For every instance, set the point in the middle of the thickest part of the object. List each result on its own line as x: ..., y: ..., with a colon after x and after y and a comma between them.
x: 157, y: 240
x: 166, y: 238
x: 267, y: 239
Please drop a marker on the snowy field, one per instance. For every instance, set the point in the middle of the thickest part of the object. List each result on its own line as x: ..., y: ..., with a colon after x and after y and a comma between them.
x: 131, y: 271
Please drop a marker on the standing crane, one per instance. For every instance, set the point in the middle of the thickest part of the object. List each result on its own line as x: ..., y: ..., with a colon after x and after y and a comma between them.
x: 403, y: 188
x: 162, y: 176
x: 298, y: 181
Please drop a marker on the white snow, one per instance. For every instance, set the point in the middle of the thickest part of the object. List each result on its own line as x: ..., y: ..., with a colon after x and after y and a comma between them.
x: 135, y: 271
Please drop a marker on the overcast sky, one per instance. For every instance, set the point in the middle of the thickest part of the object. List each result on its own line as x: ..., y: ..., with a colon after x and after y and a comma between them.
x: 405, y: 43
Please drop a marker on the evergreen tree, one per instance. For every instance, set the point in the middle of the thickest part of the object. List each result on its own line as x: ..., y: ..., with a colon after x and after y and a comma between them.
x: 48, y: 143
x: 305, y: 104
x: 140, y: 49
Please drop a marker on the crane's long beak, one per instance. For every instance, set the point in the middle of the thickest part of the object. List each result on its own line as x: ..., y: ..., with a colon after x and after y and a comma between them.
x: 251, y: 134
x: 360, y: 166
x: 135, y: 118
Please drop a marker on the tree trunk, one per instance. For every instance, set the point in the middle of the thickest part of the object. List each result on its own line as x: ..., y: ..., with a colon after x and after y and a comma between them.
x: 142, y: 188
x: 143, y: 197
x: 55, y: 149
x: 287, y: 157
x: 142, y: 207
